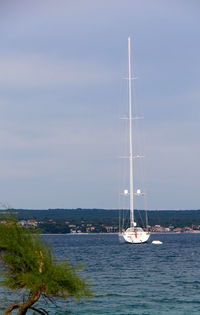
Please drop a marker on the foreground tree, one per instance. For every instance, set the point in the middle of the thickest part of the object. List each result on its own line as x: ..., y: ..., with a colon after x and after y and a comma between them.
x: 30, y: 268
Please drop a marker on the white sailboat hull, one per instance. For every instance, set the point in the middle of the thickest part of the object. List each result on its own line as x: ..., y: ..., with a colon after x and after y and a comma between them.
x: 134, y: 237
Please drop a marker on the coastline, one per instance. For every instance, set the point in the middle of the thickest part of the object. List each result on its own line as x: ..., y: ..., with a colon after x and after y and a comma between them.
x: 70, y: 234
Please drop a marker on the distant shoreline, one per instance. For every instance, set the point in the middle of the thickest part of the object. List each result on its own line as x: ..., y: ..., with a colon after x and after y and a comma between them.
x: 163, y: 233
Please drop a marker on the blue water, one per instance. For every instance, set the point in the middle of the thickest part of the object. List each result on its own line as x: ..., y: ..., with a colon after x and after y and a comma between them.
x: 134, y: 279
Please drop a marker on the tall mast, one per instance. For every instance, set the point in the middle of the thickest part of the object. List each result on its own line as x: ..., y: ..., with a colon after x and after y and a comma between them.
x: 130, y: 135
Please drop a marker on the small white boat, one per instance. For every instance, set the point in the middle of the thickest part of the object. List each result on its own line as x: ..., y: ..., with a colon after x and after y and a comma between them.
x: 157, y: 242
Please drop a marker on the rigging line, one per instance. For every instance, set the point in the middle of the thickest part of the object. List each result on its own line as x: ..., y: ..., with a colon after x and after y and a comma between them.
x: 123, y: 132
x: 143, y: 164
x: 126, y: 219
x: 139, y: 212
x: 119, y: 147
x: 139, y: 131
x: 144, y: 176
x: 124, y: 168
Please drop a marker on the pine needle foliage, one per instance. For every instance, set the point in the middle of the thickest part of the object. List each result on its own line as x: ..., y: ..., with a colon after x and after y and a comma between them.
x: 27, y: 265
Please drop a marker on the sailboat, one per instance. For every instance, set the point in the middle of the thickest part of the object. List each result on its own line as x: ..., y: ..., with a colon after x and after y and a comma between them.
x: 133, y: 234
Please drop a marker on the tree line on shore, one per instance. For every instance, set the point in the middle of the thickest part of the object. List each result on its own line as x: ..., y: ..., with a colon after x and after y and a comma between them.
x: 97, y: 220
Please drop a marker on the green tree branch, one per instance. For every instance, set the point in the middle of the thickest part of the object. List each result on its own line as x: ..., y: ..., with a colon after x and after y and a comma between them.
x: 28, y: 265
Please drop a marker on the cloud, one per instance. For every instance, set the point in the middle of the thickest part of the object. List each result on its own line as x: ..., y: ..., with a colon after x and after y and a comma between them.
x: 40, y: 71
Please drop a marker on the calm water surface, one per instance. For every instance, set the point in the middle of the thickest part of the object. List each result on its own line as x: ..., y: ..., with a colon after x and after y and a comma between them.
x: 134, y: 279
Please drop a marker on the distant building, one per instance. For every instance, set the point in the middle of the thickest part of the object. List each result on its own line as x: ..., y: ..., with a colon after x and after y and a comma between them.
x: 187, y: 229
x: 177, y: 230
x: 22, y: 222
x: 32, y: 222
x: 110, y: 229
x: 159, y: 228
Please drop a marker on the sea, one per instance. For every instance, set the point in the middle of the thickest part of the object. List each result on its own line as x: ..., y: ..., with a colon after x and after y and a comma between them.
x: 131, y: 279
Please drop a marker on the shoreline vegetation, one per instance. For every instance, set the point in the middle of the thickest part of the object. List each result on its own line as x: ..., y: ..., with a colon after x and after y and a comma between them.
x: 102, y: 221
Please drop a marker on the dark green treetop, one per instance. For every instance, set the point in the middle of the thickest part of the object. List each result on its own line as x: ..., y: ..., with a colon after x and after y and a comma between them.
x: 30, y: 268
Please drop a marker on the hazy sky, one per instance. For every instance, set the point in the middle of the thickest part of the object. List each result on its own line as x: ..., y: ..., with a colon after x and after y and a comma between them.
x: 62, y: 65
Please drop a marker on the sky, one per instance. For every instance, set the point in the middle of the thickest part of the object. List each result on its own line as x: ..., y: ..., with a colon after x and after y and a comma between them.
x: 62, y: 90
